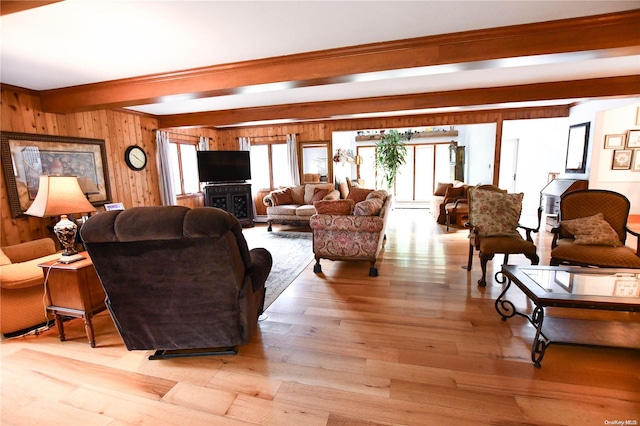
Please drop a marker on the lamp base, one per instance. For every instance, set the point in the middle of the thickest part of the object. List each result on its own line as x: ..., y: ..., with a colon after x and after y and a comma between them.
x: 71, y: 258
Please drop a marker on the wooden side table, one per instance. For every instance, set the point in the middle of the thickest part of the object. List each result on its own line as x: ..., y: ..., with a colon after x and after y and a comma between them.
x: 74, y: 290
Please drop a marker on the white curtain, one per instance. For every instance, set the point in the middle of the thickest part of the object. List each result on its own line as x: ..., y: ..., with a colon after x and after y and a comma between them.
x: 292, y: 158
x: 165, y: 177
x: 245, y: 144
x: 203, y: 145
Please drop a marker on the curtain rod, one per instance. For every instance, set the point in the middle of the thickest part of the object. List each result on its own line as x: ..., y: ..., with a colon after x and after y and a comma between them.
x: 177, y: 133
x: 268, y: 136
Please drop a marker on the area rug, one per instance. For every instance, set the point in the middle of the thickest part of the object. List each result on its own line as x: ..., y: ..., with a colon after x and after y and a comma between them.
x: 291, y: 252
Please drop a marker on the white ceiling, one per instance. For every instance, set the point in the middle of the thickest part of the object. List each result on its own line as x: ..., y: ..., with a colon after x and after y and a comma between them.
x: 77, y: 42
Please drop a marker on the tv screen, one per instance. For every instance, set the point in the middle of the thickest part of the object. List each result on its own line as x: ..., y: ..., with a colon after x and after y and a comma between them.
x: 224, y: 166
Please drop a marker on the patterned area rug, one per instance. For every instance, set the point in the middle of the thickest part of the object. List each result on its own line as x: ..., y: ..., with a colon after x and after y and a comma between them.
x: 291, y: 252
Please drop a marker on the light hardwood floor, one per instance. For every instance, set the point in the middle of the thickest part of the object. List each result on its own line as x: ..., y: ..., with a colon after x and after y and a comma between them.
x: 419, y: 345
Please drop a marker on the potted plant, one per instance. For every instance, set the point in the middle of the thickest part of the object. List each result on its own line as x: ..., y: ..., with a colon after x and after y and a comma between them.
x: 391, y: 153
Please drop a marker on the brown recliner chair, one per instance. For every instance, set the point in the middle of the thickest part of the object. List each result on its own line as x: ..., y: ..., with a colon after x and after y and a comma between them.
x: 493, y: 220
x: 592, y: 243
x: 179, y: 281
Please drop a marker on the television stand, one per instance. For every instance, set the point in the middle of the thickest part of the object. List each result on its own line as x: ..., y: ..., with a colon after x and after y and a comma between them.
x: 233, y: 197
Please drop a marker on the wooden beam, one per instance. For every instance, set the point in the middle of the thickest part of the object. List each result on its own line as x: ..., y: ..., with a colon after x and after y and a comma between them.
x: 611, y: 86
x: 8, y: 7
x: 611, y: 31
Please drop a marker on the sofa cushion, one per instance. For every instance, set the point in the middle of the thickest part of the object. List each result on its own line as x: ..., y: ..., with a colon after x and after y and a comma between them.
x: 334, y: 207
x: 285, y: 209
x: 4, y: 259
x: 370, y: 207
x: 310, y: 189
x: 297, y: 192
x: 441, y: 188
x: 592, y: 230
x: 496, y: 213
x: 454, y: 192
x: 358, y: 194
x: 318, y: 194
x: 306, y: 210
x: 380, y: 193
x: 283, y: 196
x: 25, y: 274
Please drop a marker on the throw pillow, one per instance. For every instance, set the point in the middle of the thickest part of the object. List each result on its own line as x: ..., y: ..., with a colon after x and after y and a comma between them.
x: 281, y: 197
x: 318, y: 195
x: 370, y: 207
x: 441, y: 188
x: 592, y: 230
x: 495, y: 213
x: 4, y: 259
x: 380, y: 193
x: 335, y: 207
x: 358, y: 194
x: 454, y: 192
x: 344, y: 190
x: 310, y: 190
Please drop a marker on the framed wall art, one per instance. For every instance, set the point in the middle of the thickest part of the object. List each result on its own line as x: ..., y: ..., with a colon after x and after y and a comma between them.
x: 633, y: 139
x: 635, y: 163
x: 577, y: 148
x: 614, y: 141
x: 622, y: 159
x: 27, y: 156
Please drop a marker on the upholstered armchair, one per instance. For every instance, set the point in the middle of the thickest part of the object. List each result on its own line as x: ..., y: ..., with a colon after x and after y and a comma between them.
x: 494, y: 221
x: 592, y: 231
x: 179, y: 281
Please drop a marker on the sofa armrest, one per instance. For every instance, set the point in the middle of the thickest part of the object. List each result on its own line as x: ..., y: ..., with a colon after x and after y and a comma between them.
x: 30, y: 250
x: 329, y: 222
x: 637, y: 235
x: 267, y: 200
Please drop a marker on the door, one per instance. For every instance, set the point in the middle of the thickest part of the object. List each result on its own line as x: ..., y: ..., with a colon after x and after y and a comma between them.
x: 508, y: 165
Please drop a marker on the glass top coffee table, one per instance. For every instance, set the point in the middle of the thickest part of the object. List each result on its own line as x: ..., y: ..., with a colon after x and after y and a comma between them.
x: 581, y: 288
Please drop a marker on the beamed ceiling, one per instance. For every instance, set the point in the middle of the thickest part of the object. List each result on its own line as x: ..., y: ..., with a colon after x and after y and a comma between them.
x: 308, y: 64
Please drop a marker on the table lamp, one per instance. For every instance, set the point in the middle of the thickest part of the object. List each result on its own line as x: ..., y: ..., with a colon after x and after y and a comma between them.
x: 60, y: 196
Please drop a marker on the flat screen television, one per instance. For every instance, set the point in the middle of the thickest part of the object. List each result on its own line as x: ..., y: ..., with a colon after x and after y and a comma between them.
x: 223, y: 166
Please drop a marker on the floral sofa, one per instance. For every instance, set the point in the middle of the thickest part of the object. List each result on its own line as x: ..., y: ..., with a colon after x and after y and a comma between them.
x: 294, y: 204
x: 351, y: 229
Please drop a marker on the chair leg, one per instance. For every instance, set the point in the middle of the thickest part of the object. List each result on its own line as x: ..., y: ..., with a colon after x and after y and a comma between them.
x: 317, y: 268
x: 269, y: 228
x: 535, y: 259
x: 484, y: 258
x: 373, y: 271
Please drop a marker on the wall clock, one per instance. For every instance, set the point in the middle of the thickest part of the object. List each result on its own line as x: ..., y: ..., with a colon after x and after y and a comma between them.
x: 135, y: 157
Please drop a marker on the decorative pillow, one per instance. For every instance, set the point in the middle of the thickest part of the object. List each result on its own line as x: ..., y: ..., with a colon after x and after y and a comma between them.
x: 4, y: 259
x: 358, y: 194
x: 281, y: 197
x: 370, y: 207
x: 495, y: 213
x: 335, y: 207
x: 310, y: 190
x: 454, y: 192
x: 380, y: 193
x: 344, y: 189
x: 318, y: 195
x: 592, y: 230
x: 441, y: 188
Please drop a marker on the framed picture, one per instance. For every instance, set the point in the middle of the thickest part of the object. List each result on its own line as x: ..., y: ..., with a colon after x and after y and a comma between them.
x: 622, y: 159
x: 577, y: 148
x: 614, y: 141
x: 627, y: 287
x: 635, y: 163
x: 633, y: 139
x: 638, y: 117
x: 27, y: 156
x: 114, y: 206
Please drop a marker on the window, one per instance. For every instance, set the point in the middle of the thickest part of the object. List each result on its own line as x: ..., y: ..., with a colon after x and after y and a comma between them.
x: 269, y: 166
x: 184, y: 164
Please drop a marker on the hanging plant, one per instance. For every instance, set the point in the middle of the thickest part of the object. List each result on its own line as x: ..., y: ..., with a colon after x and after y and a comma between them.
x: 391, y: 153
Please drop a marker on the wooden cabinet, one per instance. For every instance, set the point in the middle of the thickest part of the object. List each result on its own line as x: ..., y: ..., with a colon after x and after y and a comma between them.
x: 234, y: 198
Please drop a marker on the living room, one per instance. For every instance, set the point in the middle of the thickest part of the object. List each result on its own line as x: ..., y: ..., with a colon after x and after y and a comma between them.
x: 419, y: 344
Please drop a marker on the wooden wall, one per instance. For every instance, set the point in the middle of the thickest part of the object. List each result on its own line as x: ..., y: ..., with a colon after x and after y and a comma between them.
x: 21, y: 112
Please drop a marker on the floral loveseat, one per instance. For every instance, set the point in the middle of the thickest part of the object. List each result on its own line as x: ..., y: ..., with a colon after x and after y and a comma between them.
x: 294, y: 204
x: 351, y: 229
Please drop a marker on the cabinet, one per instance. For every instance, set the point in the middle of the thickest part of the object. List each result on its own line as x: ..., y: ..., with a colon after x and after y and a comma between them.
x: 234, y: 198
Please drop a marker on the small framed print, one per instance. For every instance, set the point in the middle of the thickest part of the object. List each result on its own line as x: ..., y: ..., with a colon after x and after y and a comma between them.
x: 633, y: 139
x: 114, y: 206
x: 638, y: 117
x: 635, y: 163
x: 626, y: 287
x: 622, y: 159
x: 614, y: 141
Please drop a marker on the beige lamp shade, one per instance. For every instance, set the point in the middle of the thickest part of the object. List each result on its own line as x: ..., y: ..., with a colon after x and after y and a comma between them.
x: 58, y: 195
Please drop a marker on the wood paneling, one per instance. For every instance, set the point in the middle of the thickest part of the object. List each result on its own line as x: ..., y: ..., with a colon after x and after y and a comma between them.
x: 21, y: 112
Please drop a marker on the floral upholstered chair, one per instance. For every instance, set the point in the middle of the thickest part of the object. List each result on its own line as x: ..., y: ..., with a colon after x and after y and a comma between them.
x: 494, y: 217
x: 592, y: 231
